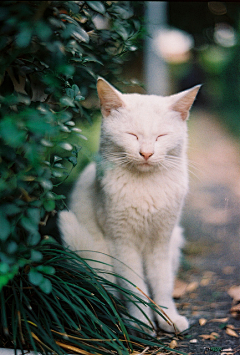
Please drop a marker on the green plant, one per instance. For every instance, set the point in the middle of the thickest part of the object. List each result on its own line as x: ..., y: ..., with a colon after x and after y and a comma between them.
x: 79, y: 316
x: 51, y: 53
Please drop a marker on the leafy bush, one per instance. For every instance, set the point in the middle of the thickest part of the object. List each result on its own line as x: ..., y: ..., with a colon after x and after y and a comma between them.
x: 51, y: 55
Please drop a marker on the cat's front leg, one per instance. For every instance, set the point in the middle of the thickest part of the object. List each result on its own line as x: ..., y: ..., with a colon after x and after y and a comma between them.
x: 160, y: 275
x: 128, y: 264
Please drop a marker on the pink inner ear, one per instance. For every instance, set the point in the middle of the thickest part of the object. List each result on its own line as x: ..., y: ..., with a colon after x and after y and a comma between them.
x: 184, y: 115
x: 184, y: 104
x: 109, y: 97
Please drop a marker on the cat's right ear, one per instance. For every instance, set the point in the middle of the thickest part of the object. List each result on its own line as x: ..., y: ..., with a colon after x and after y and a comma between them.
x: 110, y: 98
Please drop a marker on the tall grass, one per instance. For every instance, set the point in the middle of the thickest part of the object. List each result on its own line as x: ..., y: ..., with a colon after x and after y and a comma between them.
x: 78, y: 315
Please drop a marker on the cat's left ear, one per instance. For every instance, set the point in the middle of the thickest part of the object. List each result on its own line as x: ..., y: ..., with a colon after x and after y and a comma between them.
x: 184, y: 100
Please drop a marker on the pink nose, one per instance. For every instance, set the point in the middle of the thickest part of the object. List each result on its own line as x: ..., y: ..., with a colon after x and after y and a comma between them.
x: 146, y: 156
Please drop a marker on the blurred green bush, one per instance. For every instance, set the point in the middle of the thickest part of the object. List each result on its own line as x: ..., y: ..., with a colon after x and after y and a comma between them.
x: 51, y: 53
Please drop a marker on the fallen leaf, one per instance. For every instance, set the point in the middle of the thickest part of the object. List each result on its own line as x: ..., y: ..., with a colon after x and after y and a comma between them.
x: 228, y: 351
x: 192, y: 286
x: 234, y: 292
x: 230, y: 326
x: 205, y: 282
x: 215, y: 334
x: 206, y: 336
x: 173, y: 344
x: 235, y: 310
x: 220, y: 320
x: 211, y: 336
x: 228, y: 270
x: 231, y: 332
x: 180, y: 288
x: 202, y: 321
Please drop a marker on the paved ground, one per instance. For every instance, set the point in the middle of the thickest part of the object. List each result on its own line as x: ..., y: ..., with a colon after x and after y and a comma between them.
x: 212, y: 253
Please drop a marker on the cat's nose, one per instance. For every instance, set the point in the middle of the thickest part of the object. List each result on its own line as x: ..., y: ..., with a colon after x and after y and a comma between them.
x: 146, y: 156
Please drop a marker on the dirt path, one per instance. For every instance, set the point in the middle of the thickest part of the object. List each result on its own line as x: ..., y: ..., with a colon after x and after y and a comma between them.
x: 212, y: 254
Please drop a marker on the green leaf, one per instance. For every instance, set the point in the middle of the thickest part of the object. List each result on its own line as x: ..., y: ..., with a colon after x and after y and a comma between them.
x: 59, y: 166
x: 4, y: 268
x: 56, y: 158
x: 23, y: 38
x: 70, y: 93
x: 36, y: 255
x: 38, y: 125
x: 79, y: 98
x: 64, y: 129
x: 29, y: 225
x: 34, y: 215
x: 11, y: 209
x: 92, y: 59
x: 4, y: 279
x: 70, y: 123
x: 5, y: 227
x: 65, y: 146
x: 80, y: 34
x: 11, y: 133
x: 46, y: 286
x: 33, y: 239
x: 35, y: 277
x: 46, y: 143
x: 75, y: 89
x: 12, y: 247
x: 57, y: 174
x: 123, y: 32
x: 46, y: 184
x: 72, y: 160
x: 43, y: 31
x: 49, y: 270
x: 67, y: 70
x: 49, y: 205
x: 60, y: 197
x: 97, y: 6
x: 67, y: 101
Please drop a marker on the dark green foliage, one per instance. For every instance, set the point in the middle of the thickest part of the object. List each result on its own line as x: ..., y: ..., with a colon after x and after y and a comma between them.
x: 215, y: 63
x: 80, y: 315
x: 51, y: 53
x: 50, y: 56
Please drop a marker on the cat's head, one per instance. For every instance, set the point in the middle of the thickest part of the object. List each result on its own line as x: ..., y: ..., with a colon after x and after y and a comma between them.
x: 143, y: 132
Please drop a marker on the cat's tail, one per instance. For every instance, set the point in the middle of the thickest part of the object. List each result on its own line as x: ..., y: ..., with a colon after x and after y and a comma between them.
x: 75, y: 235
x: 69, y: 229
x: 77, y: 238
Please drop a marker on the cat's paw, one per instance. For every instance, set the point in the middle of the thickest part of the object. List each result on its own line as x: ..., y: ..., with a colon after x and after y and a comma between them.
x: 180, y: 324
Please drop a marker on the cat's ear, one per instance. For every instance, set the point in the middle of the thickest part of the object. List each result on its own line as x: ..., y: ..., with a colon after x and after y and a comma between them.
x: 184, y: 100
x: 110, y: 98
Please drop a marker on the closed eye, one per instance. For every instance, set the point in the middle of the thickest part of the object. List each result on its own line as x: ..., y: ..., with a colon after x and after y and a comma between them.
x: 161, y: 135
x: 132, y: 134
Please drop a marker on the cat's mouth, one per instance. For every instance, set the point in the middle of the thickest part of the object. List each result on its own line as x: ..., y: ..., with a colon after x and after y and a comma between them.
x: 145, y: 166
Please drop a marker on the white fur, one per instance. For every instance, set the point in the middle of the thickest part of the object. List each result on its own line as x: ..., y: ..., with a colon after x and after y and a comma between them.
x: 128, y: 206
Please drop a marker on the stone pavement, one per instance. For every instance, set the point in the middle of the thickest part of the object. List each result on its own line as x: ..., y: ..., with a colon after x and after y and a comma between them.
x: 211, y: 220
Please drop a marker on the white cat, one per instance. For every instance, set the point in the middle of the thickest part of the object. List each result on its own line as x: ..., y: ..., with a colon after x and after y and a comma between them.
x: 128, y: 205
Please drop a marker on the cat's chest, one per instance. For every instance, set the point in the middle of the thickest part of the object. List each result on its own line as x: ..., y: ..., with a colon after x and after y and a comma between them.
x: 145, y: 194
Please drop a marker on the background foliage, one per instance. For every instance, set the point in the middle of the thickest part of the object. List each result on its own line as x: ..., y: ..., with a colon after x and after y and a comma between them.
x: 214, y: 62
x: 51, y: 55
